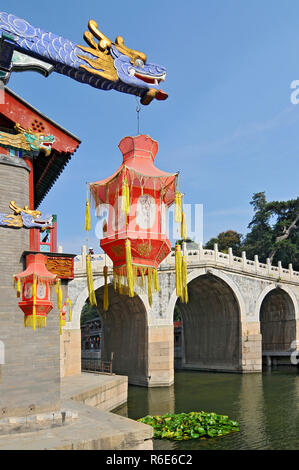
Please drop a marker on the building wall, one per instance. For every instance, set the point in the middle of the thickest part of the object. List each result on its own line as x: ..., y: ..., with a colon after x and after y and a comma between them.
x: 70, y: 353
x: 30, y: 376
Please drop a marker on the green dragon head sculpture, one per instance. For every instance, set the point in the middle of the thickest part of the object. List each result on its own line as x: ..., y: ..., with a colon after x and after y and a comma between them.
x: 27, y: 140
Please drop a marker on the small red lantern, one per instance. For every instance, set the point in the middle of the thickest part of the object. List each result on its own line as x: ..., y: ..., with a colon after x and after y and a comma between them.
x: 137, y: 197
x: 35, y: 284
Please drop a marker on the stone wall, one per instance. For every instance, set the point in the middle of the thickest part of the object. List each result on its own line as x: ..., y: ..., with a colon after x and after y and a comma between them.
x: 70, y: 353
x: 160, y: 356
x: 29, y: 381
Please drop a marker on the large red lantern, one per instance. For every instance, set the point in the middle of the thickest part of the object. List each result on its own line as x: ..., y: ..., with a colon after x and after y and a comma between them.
x: 34, y: 285
x: 137, y: 197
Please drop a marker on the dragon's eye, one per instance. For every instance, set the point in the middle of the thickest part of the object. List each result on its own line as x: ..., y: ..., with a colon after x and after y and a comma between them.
x: 139, y: 63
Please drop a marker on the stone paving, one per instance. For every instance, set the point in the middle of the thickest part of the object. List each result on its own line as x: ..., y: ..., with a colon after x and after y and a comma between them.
x: 94, y: 429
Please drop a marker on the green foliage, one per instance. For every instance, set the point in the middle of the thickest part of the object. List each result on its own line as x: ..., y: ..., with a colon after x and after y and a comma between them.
x: 274, y: 233
x: 89, y: 312
x: 194, y: 425
x: 226, y: 240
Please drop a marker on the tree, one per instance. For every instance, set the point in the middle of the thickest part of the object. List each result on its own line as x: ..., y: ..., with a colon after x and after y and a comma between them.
x: 274, y: 232
x: 226, y: 240
x: 259, y: 241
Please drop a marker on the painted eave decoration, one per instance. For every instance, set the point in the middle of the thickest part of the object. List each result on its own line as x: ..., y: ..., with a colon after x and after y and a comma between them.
x: 103, y: 64
x: 47, y: 168
x: 28, y: 140
x: 25, y: 218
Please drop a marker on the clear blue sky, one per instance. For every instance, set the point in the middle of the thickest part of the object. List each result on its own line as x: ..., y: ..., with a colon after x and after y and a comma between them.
x: 228, y: 124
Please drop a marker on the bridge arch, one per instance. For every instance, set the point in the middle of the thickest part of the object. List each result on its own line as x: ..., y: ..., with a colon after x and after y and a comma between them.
x: 80, y: 301
x: 124, y: 333
x: 271, y: 287
x: 124, y: 330
x: 211, y: 322
x: 83, y: 296
x: 277, y: 309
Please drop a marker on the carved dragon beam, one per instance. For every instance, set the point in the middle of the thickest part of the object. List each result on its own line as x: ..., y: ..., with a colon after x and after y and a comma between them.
x: 102, y: 63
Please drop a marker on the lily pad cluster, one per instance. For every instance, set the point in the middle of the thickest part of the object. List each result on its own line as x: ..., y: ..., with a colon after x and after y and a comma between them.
x: 194, y: 425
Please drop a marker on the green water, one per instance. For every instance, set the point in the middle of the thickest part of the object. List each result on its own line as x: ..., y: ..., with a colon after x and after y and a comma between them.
x: 266, y: 406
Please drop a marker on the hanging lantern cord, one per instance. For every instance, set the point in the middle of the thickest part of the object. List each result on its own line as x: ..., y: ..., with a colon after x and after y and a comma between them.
x: 138, y: 109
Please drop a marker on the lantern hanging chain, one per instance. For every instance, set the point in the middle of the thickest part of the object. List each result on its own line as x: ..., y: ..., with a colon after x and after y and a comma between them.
x: 138, y: 109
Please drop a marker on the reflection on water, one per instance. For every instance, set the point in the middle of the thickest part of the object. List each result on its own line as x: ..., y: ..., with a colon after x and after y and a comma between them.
x: 266, y: 406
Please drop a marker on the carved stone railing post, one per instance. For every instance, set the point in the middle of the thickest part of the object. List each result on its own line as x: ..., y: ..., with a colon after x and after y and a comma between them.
x: 256, y: 263
x: 230, y: 256
x: 291, y: 270
x: 244, y: 260
x: 200, y: 251
x: 216, y: 252
x: 268, y: 262
x: 279, y: 269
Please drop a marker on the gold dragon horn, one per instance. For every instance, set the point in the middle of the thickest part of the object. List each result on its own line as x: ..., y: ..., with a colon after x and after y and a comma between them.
x: 19, y: 128
x: 104, y: 42
x: 120, y: 43
x: 88, y: 37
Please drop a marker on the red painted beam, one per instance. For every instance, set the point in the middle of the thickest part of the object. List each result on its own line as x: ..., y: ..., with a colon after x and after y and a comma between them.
x: 20, y: 112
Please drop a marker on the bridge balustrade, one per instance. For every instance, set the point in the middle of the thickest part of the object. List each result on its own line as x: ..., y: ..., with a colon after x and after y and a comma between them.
x: 200, y: 257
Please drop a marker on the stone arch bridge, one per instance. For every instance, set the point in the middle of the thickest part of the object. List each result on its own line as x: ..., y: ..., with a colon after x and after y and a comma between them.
x: 239, y: 310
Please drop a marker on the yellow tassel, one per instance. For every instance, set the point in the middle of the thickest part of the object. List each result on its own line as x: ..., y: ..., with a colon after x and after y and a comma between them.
x: 130, y: 278
x: 150, y: 285
x: 91, y: 292
x: 178, y: 207
x: 178, y: 270
x: 185, y: 297
x: 142, y: 275
x: 58, y: 291
x: 87, y: 214
x: 18, y: 287
x: 125, y: 196
x: 40, y: 322
x: 183, y: 226
x: 106, y: 299
x: 60, y: 298
x: 62, y: 321
x: 34, y: 302
x: 156, y: 281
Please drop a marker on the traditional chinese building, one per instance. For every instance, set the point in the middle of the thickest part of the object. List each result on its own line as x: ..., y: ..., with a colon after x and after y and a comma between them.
x: 34, y: 150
